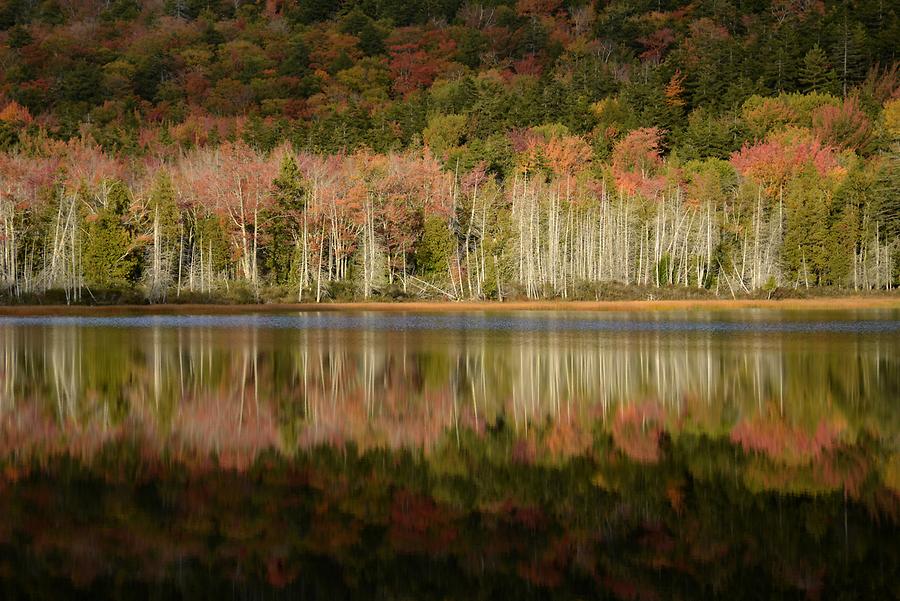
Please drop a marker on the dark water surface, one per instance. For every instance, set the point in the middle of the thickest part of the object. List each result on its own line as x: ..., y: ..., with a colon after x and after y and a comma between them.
x: 747, y: 454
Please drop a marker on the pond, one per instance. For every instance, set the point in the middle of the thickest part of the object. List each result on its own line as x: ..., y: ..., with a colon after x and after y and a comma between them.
x: 697, y: 454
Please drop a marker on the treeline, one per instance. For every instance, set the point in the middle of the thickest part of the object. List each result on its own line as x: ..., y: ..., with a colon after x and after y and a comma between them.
x: 536, y: 148
x: 797, y: 207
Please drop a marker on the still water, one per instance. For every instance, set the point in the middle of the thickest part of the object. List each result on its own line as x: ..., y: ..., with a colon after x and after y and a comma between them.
x: 749, y: 454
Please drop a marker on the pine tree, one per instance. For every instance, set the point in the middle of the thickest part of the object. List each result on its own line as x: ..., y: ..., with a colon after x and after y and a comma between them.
x: 296, y: 62
x: 886, y: 195
x: 816, y: 74
x: 285, y: 220
x: 107, y: 254
x: 436, y: 247
x: 371, y: 40
x: 849, y: 54
x: 806, y: 206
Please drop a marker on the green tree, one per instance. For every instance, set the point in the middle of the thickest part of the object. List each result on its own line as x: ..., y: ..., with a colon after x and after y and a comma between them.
x: 436, y: 247
x: 885, y: 202
x: 19, y: 37
x: 121, y: 10
x: 444, y: 132
x: 296, y: 59
x: 470, y: 44
x: 806, y: 208
x: 371, y: 39
x: 108, y: 256
x: 849, y: 53
x: 285, y: 220
x: 709, y: 136
x: 816, y: 74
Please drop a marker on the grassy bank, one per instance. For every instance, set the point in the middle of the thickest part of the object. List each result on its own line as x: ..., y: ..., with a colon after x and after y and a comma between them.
x: 817, y: 303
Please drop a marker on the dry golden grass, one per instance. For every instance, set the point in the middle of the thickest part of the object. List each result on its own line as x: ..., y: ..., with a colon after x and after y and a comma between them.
x: 838, y: 303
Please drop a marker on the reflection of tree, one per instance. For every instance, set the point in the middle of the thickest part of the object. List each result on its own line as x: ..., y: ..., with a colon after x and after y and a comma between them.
x: 339, y: 523
x: 228, y: 395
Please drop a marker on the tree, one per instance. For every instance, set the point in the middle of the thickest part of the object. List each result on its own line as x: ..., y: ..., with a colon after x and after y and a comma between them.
x: 848, y: 51
x: 108, y: 254
x: 709, y: 136
x: 845, y: 127
x: 296, y: 60
x: 636, y: 161
x: 777, y: 161
x: 164, y: 239
x: 886, y: 192
x: 436, y: 247
x: 371, y: 39
x: 285, y: 221
x: 241, y: 187
x: 444, y: 132
x: 806, y: 206
x: 312, y: 11
x: 816, y: 74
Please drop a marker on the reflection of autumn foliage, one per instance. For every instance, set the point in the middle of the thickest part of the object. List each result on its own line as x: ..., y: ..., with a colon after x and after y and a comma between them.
x: 548, y: 570
x: 355, y: 522
x: 801, y: 461
x: 788, y: 444
x: 636, y: 430
x: 806, y: 578
x: 567, y: 438
x: 233, y: 430
x: 30, y: 433
x: 892, y: 473
x: 201, y: 402
x: 418, y: 525
x: 838, y: 471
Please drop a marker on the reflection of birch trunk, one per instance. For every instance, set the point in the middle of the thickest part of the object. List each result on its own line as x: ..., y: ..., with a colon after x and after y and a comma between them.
x: 9, y: 369
x: 64, y: 360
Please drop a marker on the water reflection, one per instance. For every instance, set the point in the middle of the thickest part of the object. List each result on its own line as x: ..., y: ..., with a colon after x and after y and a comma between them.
x: 569, y: 435
x: 236, y: 390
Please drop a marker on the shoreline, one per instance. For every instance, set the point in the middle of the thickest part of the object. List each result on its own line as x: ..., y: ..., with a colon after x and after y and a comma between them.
x: 824, y: 303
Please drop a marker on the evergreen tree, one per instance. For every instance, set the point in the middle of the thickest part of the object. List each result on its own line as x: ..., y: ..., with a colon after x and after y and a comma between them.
x: 849, y: 54
x: 107, y: 252
x: 296, y: 61
x: 469, y: 46
x: 162, y: 204
x: 816, y: 74
x: 886, y: 195
x: 436, y: 247
x: 343, y: 61
x: 285, y: 221
x: 806, y: 229
x: 371, y: 40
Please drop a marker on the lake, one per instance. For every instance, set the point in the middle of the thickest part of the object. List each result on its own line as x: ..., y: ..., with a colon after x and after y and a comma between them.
x: 744, y: 454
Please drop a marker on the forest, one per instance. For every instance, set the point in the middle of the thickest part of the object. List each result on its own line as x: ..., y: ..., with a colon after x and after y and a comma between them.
x: 182, y: 150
